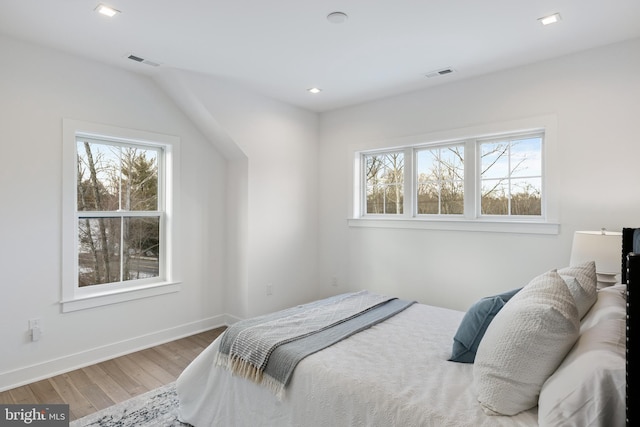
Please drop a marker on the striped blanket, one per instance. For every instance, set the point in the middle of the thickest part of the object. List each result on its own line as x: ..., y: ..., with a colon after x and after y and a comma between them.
x: 266, y: 349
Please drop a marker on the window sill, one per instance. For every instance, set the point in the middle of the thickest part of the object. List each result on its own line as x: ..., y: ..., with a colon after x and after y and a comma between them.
x: 99, y: 299
x: 490, y: 226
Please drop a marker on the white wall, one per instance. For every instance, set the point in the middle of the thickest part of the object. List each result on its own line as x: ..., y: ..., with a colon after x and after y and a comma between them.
x: 273, y: 207
x: 248, y: 216
x: 38, y: 88
x: 595, y: 96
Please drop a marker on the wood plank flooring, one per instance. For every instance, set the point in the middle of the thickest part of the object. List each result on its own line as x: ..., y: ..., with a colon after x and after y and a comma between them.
x: 99, y: 386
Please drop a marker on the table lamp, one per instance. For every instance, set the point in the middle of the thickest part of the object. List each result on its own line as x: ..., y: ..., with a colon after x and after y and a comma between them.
x: 603, y: 247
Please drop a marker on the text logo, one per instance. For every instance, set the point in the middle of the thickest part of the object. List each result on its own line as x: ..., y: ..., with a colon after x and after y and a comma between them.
x: 34, y: 415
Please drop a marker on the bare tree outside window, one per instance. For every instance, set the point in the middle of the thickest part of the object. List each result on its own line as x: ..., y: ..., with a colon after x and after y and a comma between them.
x: 440, y: 180
x: 118, y: 212
x: 497, y: 176
x: 384, y: 183
x: 511, y: 177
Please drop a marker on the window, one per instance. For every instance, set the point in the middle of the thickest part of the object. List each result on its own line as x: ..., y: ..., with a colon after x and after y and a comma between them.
x: 511, y: 176
x: 440, y: 180
x: 384, y: 183
x: 492, y: 181
x: 119, y: 224
x: 119, y: 212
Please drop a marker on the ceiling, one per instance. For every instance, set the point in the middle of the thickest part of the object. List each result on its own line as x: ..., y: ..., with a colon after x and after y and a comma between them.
x: 281, y: 48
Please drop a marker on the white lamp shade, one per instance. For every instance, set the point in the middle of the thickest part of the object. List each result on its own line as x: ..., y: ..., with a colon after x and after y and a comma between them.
x: 603, y: 247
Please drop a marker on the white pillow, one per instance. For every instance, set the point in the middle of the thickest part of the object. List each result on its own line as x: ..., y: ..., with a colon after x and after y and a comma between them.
x: 588, y: 388
x: 583, y: 285
x: 524, y: 345
x: 611, y: 304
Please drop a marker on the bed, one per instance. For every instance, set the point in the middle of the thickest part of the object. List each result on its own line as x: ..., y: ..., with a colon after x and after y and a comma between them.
x: 421, y: 365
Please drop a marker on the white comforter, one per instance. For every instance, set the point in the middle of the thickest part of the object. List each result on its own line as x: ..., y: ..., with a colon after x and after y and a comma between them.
x: 393, y: 374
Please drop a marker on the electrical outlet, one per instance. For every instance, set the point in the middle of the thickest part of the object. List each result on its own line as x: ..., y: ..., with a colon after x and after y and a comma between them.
x: 269, y: 289
x: 35, y: 329
x: 35, y: 334
x: 334, y: 281
x: 34, y: 323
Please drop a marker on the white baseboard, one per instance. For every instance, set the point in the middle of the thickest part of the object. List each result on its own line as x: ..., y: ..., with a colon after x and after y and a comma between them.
x: 50, y: 368
x: 231, y: 319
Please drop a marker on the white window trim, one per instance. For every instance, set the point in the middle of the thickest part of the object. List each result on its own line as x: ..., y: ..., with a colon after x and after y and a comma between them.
x: 547, y: 224
x: 74, y: 298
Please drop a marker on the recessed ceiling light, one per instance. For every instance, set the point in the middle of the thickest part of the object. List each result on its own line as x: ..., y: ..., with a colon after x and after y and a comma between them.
x: 337, y: 17
x: 106, y: 10
x: 314, y: 90
x: 550, y: 19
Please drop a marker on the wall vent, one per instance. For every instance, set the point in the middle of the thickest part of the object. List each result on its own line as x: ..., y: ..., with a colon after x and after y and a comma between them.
x: 441, y: 72
x: 142, y: 60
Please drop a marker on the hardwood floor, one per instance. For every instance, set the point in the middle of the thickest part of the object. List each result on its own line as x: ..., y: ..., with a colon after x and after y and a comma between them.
x: 98, y: 386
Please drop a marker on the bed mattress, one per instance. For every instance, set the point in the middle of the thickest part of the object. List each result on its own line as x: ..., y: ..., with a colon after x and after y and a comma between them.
x: 392, y: 374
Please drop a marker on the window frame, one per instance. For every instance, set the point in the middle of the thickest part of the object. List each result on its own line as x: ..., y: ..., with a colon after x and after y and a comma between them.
x: 478, y: 188
x: 471, y: 219
x: 78, y: 298
x: 414, y: 177
x: 363, y: 198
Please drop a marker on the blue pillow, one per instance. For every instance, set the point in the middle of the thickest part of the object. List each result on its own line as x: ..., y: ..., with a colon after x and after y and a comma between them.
x: 474, y: 324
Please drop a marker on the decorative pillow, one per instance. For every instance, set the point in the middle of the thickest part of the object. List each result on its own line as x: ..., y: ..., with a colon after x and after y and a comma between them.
x: 583, y: 285
x: 588, y: 388
x: 474, y: 324
x: 524, y: 344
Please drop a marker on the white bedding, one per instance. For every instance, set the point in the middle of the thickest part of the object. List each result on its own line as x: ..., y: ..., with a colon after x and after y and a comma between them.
x: 394, y: 374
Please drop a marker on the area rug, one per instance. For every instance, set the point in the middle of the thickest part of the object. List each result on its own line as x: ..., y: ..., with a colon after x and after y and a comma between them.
x: 156, y: 408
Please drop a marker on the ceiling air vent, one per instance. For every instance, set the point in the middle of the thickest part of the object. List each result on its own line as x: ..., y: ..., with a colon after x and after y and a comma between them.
x: 442, y: 72
x: 142, y: 60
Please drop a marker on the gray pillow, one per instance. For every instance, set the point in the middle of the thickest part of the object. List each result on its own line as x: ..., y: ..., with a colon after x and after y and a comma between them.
x: 474, y: 324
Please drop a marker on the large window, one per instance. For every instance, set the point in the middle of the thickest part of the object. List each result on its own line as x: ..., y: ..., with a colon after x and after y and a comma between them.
x: 119, y: 211
x: 489, y: 178
x: 119, y: 217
